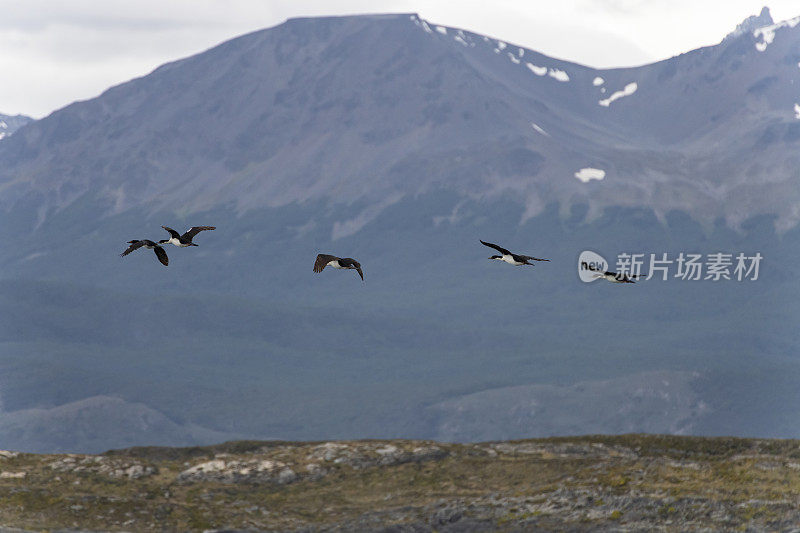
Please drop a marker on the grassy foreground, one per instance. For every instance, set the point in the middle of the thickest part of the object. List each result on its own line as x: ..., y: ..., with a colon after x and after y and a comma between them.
x: 627, y: 482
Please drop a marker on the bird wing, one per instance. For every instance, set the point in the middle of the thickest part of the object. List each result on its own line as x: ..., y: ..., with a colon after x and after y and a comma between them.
x: 162, y: 255
x: 349, y: 262
x: 322, y: 261
x: 172, y: 232
x: 195, y: 230
x: 498, y: 248
x: 134, y: 246
x: 529, y: 258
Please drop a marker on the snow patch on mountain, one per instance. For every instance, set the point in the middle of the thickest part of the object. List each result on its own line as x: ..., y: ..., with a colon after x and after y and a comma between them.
x: 627, y: 91
x: 501, y: 45
x: 539, y: 71
x: 598, y: 81
x: 539, y: 129
x: 513, y: 58
x: 767, y: 33
x: 558, y: 74
x: 11, y: 123
x: 442, y: 30
x: 588, y: 174
x: 462, y: 38
x: 797, y: 111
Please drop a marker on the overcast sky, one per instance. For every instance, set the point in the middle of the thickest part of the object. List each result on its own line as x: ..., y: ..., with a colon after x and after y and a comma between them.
x: 54, y: 52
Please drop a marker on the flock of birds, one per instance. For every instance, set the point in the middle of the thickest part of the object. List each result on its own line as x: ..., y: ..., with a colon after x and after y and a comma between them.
x: 346, y: 263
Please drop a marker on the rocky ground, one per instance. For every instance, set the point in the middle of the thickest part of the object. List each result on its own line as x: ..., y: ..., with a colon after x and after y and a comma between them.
x: 595, y: 483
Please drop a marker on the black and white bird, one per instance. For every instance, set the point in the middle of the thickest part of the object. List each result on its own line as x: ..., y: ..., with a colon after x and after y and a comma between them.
x: 150, y: 245
x: 186, y: 239
x: 511, y: 259
x: 615, y: 277
x: 348, y: 263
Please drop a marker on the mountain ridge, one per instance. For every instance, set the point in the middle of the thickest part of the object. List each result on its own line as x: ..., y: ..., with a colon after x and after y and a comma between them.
x: 606, y: 136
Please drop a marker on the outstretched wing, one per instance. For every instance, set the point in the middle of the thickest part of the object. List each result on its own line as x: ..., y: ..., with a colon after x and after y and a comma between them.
x: 162, y: 255
x: 322, y: 261
x: 134, y: 246
x: 172, y: 232
x: 498, y: 248
x: 529, y: 258
x: 195, y: 230
x: 349, y: 262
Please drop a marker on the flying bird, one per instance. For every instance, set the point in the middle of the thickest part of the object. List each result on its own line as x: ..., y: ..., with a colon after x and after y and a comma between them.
x: 511, y: 259
x: 348, y: 263
x: 150, y: 245
x: 615, y: 277
x: 186, y: 239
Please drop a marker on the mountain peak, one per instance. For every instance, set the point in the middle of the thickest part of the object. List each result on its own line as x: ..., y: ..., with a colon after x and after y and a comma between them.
x: 751, y: 23
x: 10, y: 123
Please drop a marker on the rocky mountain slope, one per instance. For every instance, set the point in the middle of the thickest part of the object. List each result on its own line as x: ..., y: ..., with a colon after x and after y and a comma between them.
x: 630, y: 482
x: 9, y: 124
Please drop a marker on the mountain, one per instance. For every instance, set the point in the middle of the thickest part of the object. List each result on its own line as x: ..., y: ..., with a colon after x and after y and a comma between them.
x: 751, y: 24
x: 401, y: 143
x: 9, y: 124
x: 425, y: 108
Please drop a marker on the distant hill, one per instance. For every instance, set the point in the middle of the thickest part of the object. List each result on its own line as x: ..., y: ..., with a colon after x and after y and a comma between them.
x: 401, y: 143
